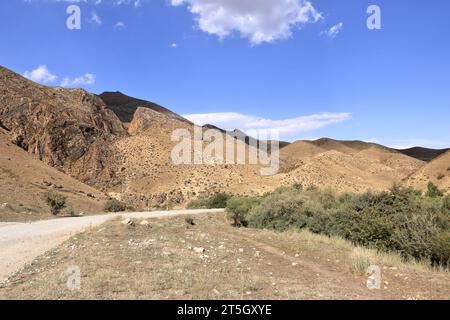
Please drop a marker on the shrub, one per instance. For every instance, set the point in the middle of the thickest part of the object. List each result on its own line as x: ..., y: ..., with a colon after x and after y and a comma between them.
x: 114, y: 205
x: 56, y: 202
x: 198, y: 204
x: 278, y: 210
x: 433, y: 191
x: 238, y: 209
x: 441, y: 176
x: 217, y: 201
x: 441, y: 249
x: 446, y: 204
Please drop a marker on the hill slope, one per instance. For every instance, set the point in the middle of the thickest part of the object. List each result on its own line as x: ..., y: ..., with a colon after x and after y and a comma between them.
x: 437, y: 171
x: 24, y: 180
x: 69, y: 129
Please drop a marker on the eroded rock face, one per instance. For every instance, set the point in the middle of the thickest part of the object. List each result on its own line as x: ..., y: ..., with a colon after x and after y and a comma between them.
x: 69, y: 129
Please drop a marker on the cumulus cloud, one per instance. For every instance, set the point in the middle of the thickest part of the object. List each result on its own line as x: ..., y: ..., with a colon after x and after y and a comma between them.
x: 41, y: 74
x: 334, y: 30
x: 286, y: 127
x: 85, y: 80
x: 134, y: 3
x: 258, y: 21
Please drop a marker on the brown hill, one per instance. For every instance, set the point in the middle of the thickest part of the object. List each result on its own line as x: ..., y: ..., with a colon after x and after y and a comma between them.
x: 69, y: 129
x: 437, y: 171
x: 75, y: 132
x: 345, y: 165
x: 24, y: 180
x: 125, y: 106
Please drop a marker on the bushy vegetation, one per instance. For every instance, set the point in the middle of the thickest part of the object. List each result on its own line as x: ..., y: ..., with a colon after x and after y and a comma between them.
x: 401, y: 220
x: 114, y: 205
x: 56, y: 202
x: 217, y: 201
x: 433, y: 191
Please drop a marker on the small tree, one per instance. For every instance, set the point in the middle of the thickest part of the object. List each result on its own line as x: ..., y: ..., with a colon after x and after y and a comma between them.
x: 238, y: 209
x: 114, y: 205
x: 433, y: 191
x: 56, y: 202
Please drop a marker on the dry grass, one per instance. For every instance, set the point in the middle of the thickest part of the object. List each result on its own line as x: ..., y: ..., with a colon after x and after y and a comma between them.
x: 160, y: 262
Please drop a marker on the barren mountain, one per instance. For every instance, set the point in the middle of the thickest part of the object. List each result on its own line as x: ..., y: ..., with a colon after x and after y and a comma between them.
x: 345, y: 165
x: 69, y: 129
x: 24, y: 180
x: 437, y: 171
x: 76, y: 132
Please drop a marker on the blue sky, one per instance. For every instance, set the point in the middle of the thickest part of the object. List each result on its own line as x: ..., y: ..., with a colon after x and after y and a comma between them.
x: 238, y: 63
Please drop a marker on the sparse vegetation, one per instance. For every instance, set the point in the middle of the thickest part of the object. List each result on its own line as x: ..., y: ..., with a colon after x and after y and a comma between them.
x: 401, y: 220
x: 217, y: 201
x: 441, y: 176
x: 114, y: 205
x: 238, y: 209
x: 56, y: 202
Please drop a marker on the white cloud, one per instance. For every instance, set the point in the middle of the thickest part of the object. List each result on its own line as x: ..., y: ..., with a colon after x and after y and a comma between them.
x: 258, y: 21
x: 87, y: 79
x: 95, y: 18
x: 120, y: 25
x: 333, y: 31
x: 286, y: 127
x: 174, y: 45
x: 41, y: 74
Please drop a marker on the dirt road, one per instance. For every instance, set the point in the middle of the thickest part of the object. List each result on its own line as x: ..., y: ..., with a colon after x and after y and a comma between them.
x: 21, y: 243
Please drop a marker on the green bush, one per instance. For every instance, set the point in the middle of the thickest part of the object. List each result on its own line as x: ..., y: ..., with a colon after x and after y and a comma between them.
x: 433, y: 191
x: 238, y: 209
x: 114, y: 205
x: 446, y: 204
x: 217, y: 201
x: 400, y: 220
x: 56, y: 202
x: 441, y: 249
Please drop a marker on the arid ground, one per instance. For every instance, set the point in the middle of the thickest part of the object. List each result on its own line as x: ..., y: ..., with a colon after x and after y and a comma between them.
x: 207, y: 258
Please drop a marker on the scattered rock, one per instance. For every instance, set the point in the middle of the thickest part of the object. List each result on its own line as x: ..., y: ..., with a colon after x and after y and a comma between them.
x: 144, y: 223
x: 128, y: 222
x: 199, y: 250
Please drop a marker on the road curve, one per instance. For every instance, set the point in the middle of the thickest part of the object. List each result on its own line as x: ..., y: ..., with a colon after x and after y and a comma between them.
x: 21, y: 243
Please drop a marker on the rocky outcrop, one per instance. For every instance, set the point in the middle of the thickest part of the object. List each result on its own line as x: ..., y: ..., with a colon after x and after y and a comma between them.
x: 69, y: 129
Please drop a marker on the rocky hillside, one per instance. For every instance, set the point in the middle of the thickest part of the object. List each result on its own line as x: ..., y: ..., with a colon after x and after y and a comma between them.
x: 24, y: 181
x: 69, y: 129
